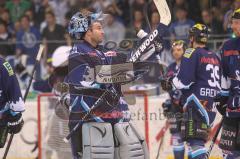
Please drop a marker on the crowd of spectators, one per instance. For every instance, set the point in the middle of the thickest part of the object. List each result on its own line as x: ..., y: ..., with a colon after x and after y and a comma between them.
x: 26, y: 23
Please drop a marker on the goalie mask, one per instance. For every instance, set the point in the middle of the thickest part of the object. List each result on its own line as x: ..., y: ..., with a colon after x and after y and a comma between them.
x: 200, y: 33
x: 80, y: 23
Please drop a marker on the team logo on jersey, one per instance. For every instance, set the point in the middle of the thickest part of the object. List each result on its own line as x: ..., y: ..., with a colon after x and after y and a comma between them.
x: 188, y: 52
x: 9, y: 68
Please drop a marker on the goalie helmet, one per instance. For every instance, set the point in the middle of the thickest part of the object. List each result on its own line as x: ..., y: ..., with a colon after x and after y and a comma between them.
x: 200, y: 32
x: 80, y: 23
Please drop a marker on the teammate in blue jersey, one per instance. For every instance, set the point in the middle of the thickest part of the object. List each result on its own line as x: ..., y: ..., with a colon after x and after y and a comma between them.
x: 199, y: 80
x: 172, y: 108
x: 11, y: 102
x: 229, y: 97
x: 103, y: 134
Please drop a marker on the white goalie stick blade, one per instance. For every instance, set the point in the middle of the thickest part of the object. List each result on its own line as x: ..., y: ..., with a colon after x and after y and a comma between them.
x: 163, y: 10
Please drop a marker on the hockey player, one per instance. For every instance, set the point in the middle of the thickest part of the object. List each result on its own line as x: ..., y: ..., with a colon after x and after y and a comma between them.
x: 11, y: 102
x: 171, y: 107
x: 229, y: 98
x: 104, y: 134
x: 199, y: 80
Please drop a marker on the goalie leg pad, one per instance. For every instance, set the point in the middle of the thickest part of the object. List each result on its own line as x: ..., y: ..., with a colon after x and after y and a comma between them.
x: 97, y: 141
x: 129, y: 144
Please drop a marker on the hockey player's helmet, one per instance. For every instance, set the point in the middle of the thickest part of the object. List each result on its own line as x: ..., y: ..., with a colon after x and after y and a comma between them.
x: 80, y: 23
x: 200, y: 32
x: 236, y: 14
x: 179, y: 43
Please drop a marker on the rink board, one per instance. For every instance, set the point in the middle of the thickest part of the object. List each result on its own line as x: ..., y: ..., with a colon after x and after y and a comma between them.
x: 156, y: 122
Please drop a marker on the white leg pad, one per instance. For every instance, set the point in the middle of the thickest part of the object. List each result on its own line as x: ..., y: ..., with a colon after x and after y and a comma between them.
x: 97, y: 141
x: 128, y: 144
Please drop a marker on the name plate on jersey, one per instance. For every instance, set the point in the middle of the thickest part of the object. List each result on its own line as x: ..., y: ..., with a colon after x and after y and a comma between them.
x: 118, y: 73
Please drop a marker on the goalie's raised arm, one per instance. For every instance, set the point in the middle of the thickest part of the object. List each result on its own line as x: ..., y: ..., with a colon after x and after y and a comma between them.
x: 153, y: 42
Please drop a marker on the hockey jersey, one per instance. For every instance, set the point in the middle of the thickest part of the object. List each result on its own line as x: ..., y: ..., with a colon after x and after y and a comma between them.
x: 83, y: 57
x: 172, y: 71
x: 199, y: 77
x: 230, y: 59
x: 10, y: 93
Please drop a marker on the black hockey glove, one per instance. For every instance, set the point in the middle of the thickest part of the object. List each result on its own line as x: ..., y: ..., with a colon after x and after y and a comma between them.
x: 15, y: 123
x: 166, y: 84
x: 221, y: 103
x: 166, y: 107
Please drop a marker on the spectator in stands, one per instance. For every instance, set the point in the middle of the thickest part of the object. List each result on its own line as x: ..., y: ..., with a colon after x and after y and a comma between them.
x: 6, y: 47
x: 113, y: 8
x: 17, y: 27
x: 101, y: 5
x: 113, y: 30
x: 155, y: 19
x: 176, y: 5
x: 5, y: 17
x: 59, y: 8
x: 138, y: 5
x: 40, y: 7
x: 30, y: 14
x: 54, y: 35
x: 179, y: 29
x: 124, y: 6
x: 17, y: 8
x: 211, y: 22
x: 28, y: 38
x: 137, y: 24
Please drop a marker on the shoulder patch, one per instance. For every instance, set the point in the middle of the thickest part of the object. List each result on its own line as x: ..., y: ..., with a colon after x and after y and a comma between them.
x: 188, y: 52
x: 8, y: 68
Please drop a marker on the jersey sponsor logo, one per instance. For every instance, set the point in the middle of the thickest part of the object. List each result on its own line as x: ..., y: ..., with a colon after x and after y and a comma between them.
x: 226, y: 142
x: 110, y: 53
x: 209, y: 60
x: 9, y: 68
x: 188, y: 52
x: 231, y: 52
x: 114, y: 73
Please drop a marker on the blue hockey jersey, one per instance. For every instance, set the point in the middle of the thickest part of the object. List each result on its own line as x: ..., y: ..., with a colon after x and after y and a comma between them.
x: 10, y: 93
x: 83, y: 57
x: 230, y: 59
x: 199, y: 78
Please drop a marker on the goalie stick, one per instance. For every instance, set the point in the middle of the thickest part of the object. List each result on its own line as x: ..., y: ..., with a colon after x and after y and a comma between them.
x: 40, y: 51
x: 165, y: 18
